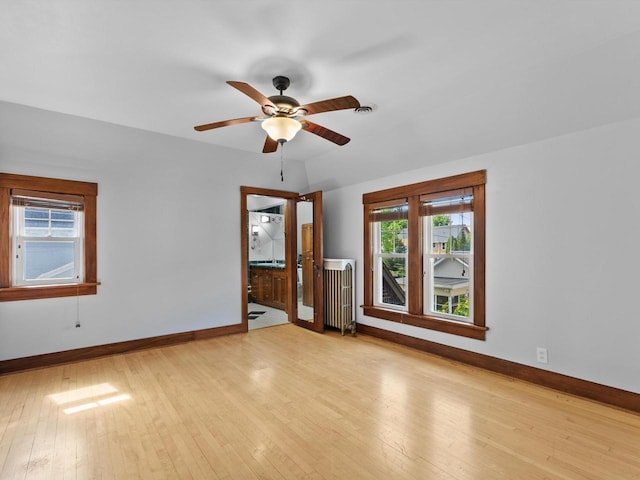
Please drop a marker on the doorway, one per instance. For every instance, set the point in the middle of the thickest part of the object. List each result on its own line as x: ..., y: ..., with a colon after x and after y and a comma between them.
x: 267, y: 286
x: 281, y: 266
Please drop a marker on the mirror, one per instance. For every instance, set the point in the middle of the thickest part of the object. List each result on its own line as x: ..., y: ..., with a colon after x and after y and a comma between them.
x: 305, y: 265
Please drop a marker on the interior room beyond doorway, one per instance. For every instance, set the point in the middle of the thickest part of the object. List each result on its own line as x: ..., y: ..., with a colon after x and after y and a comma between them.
x: 266, y: 262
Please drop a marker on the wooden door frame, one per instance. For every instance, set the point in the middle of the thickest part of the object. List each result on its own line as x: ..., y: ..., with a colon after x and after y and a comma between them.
x: 290, y: 254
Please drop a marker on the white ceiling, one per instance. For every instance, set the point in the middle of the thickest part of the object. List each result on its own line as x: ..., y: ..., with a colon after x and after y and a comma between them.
x: 448, y: 79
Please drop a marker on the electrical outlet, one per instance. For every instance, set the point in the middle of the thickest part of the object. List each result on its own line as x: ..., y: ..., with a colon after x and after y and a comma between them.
x: 541, y: 355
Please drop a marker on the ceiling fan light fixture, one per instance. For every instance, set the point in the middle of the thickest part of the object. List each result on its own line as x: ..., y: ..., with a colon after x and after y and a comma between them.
x: 283, y: 115
x: 281, y: 129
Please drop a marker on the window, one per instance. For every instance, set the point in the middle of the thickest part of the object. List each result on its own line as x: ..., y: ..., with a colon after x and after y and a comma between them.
x: 47, y: 237
x: 389, y: 225
x: 47, y: 240
x: 424, y: 254
x: 447, y: 222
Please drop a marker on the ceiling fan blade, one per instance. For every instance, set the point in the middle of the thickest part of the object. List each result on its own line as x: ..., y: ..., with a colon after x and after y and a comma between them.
x: 325, y: 133
x: 270, y: 145
x: 340, y: 103
x: 235, y: 121
x: 253, y: 93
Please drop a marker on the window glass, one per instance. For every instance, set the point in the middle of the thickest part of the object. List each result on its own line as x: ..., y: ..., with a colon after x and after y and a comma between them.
x: 448, y: 286
x: 45, y: 222
x: 49, y: 260
x: 47, y: 245
x: 390, y: 255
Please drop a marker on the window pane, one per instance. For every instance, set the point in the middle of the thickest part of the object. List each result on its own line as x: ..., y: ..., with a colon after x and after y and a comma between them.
x: 63, y: 223
x: 394, y: 280
x: 44, y: 222
x: 393, y: 236
x: 450, y: 285
x: 62, y: 215
x: 448, y: 242
x: 36, y: 213
x: 451, y: 232
x: 391, y: 240
x: 36, y: 222
x: 63, y: 229
x: 48, y: 260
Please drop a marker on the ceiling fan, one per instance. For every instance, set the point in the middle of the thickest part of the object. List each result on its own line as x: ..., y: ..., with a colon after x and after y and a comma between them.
x: 284, y: 116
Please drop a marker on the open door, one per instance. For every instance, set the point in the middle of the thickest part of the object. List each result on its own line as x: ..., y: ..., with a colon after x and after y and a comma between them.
x: 309, y: 305
x: 286, y: 285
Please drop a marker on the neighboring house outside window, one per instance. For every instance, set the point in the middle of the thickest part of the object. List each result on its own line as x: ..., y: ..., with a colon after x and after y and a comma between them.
x: 47, y: 237
x: 424, y: 254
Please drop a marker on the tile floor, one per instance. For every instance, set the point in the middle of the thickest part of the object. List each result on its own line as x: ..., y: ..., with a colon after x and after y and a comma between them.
x: 261, y: 316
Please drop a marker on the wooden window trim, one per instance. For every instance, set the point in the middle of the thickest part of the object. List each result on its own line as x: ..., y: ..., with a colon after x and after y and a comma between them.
x: 414, y: 193
x: 425, y: 321
x: 56, y: 187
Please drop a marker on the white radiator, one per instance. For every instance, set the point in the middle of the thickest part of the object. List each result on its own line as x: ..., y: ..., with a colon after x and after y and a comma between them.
x: 339, y: 294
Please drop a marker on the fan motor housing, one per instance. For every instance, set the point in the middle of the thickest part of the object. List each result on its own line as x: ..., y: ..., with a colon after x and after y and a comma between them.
x: 284, y: 103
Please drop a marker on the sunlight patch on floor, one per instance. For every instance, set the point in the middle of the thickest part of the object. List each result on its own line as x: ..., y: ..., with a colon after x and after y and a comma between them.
x: 82, y: 393
x: 88, y: 393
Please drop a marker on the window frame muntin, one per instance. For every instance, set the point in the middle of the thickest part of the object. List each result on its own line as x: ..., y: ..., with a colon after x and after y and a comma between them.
x: 57, y: 188
x: 414, y: 316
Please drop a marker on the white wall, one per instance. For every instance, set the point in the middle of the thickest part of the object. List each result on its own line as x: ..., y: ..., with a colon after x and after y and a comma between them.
x: 168, y: 230
x: 561, y: 260
x: 268, y: 244
x: 561, y: 263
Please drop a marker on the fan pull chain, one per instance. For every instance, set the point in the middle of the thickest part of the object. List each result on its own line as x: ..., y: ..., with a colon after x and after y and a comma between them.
x: 281, y: 162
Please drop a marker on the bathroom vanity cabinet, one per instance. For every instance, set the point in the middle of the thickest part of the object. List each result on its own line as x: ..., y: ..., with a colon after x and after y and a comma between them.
x: 269, y: 286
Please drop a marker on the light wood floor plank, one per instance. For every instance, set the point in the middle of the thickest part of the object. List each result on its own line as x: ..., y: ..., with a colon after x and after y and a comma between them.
x: 286, y: 403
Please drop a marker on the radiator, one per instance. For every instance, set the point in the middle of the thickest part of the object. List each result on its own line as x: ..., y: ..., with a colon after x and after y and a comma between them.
x: 339, y: 294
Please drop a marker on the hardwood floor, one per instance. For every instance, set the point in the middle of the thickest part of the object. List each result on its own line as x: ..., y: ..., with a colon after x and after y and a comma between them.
x: 288, y: 403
